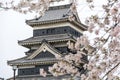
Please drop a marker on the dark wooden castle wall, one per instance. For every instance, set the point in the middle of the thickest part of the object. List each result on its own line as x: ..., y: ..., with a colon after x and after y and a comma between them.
x: 58, y: 30
x: 33, y: 71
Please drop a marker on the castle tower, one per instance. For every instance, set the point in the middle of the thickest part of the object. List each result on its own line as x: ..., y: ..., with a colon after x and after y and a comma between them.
x: 51, y: 32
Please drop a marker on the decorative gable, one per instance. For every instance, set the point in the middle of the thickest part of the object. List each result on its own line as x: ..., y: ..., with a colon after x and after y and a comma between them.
x: 46, y: 50
x: 45, y: 54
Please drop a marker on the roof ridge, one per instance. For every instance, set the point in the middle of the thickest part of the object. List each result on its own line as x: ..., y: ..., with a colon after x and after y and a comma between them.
x: 59, y: 7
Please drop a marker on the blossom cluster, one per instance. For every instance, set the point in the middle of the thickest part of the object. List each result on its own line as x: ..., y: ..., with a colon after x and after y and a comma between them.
x: 103, y: 51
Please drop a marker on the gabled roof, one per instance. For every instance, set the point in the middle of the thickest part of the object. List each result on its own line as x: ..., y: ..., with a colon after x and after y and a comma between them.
x: 49, y: 38
x: 28, y: 60
x: 45, y: 47
x: 54, y: 14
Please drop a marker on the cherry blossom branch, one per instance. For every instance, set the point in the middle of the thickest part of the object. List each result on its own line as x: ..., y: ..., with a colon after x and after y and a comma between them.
x: 103, y: 37
x: 97, y: 42
x: 110, y: 70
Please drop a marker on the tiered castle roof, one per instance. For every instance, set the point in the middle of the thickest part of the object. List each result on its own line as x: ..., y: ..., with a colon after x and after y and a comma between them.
x: 51, y: 32
x: 57, y: 14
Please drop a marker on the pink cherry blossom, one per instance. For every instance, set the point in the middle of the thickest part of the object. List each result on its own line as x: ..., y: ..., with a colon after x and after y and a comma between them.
x: 114, y: 10
x: 91, y: 27
x: 43, y: 73
x: 97, y: 32
x: 115, y: 31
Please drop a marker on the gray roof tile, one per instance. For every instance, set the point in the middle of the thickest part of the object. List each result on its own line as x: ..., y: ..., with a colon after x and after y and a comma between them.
x: 30, y: 61
x: 49, y: 38
x: 54, y: 13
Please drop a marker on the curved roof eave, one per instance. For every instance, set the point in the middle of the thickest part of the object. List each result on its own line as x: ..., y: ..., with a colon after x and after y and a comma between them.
x: 32, y: 24
x: 39, y: 42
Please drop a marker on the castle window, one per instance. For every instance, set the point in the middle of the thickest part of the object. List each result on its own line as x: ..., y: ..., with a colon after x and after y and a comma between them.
x: 65, y: 30
x: 23, y: 72
x: 52, y: 31
x: 42, y: 32
x: 32, y: 71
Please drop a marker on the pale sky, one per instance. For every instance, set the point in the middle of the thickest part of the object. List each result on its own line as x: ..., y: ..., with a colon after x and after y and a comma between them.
x: 12, y: 29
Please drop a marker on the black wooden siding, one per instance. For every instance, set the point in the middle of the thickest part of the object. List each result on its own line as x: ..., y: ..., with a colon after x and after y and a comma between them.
x: 44, y: 55
x: 33, y: 71
x: 58, y: 30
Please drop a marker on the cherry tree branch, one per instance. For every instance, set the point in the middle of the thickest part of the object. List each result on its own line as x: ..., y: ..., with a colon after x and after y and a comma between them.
x: 110, y: 70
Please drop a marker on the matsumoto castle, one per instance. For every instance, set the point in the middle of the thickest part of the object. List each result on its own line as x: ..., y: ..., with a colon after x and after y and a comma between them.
x: 51, y: 32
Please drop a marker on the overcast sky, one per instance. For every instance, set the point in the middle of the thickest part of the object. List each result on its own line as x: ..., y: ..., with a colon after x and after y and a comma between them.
x: 12, y: 29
